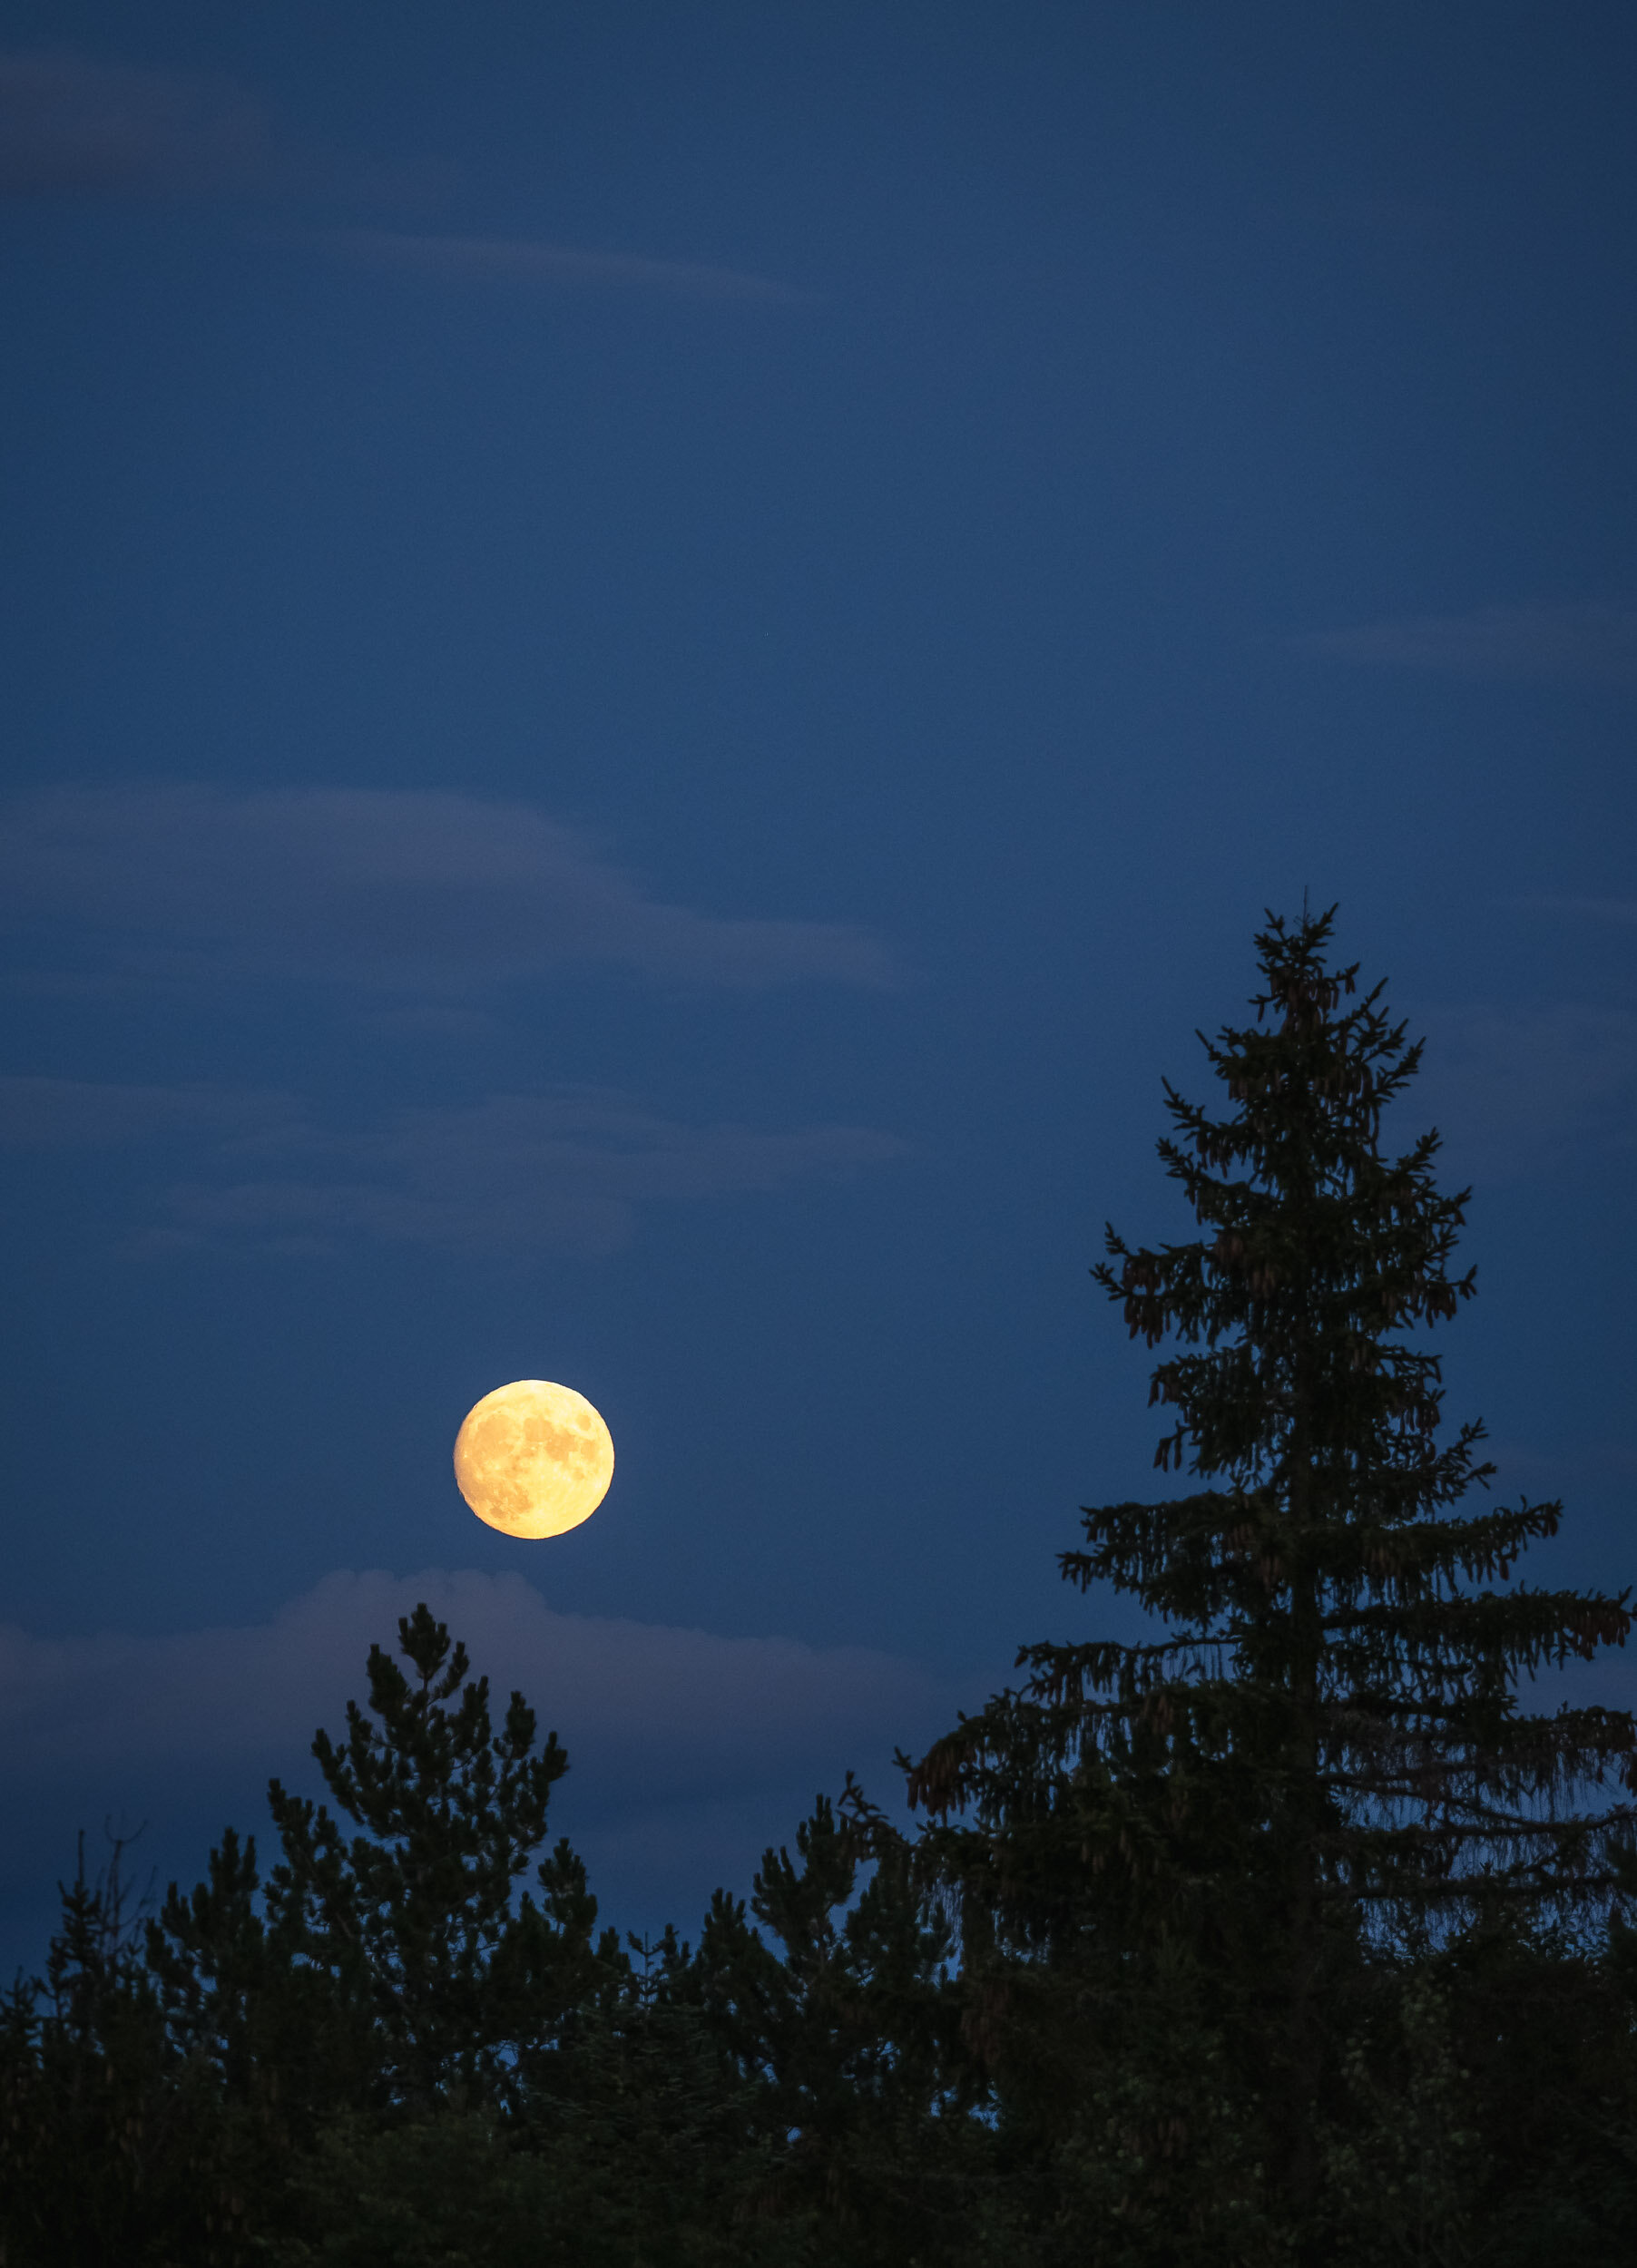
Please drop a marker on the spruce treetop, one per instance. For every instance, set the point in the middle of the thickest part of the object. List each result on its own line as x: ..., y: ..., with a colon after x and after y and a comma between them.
x: 1328, y: 1699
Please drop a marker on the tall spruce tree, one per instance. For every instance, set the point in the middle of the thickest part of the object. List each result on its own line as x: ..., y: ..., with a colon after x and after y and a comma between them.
x: 1320, y: 1737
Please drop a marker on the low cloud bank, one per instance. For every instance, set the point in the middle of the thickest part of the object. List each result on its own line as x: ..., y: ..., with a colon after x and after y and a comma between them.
x: 690, y: 1753
x: 644, y: 1708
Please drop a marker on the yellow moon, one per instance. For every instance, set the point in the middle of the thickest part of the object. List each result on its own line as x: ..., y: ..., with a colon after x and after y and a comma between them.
x: 534, y: 1459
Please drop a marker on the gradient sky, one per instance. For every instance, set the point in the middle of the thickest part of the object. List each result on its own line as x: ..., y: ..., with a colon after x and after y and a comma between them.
x: 656, y: 657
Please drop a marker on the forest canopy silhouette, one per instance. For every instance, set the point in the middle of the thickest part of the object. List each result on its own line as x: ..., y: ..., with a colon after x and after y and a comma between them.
x: 1287, y: 1930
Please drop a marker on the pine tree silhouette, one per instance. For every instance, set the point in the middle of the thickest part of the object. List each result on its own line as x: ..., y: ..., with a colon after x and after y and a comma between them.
x: 401, y: 1964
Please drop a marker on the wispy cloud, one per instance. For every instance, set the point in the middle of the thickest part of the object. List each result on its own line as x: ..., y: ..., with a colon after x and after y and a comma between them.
x: 528, y: 264
x: 1516, y: 1090
x: 1591, y: 643
x: 1619, y: 913
x: 86, y: 1114
x: 513, y: 1175
x: 393, y: 889
x: 73, y: 125
x: 79, y: 125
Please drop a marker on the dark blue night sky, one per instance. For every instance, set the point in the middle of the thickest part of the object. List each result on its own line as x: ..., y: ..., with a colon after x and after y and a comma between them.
x: 656, y: 657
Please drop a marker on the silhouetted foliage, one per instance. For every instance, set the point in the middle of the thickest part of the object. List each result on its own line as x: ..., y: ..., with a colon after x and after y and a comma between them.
x: 838, y: 2009
x: 113, y: 2147
x: 1318, y: 1743
x: 1281, y: 1933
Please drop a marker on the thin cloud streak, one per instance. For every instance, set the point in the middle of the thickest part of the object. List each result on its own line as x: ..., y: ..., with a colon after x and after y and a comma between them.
x: 511, y: 1175
x: 528, y: 263
x: 1591, y: 644
x: 90, y: 1114
x: 395, y: 889
x: 1619, y: 912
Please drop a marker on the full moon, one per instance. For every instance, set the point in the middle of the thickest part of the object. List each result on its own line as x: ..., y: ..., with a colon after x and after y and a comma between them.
x: 534, y: 1459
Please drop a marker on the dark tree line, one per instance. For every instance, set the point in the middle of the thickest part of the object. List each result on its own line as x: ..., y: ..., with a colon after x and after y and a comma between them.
x: 1286, y: 1934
